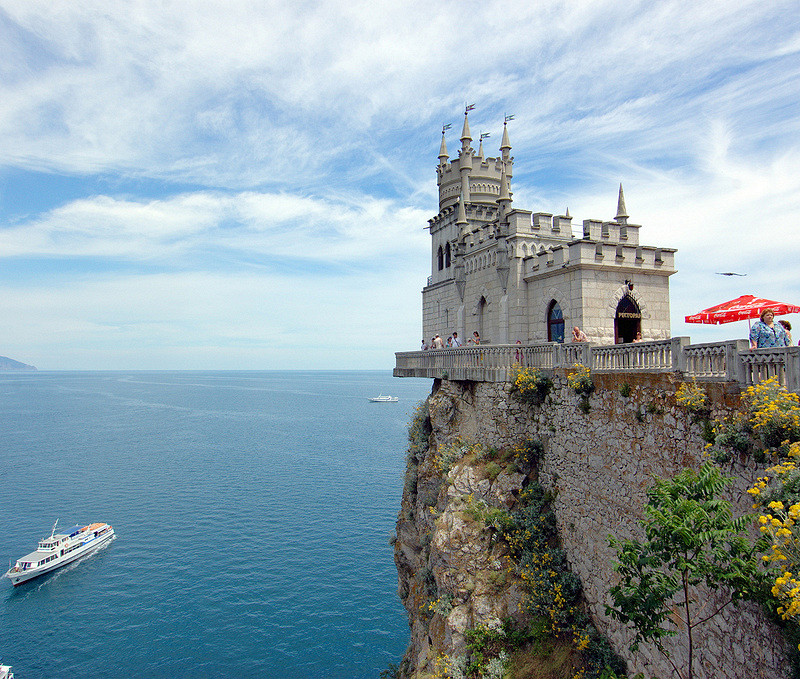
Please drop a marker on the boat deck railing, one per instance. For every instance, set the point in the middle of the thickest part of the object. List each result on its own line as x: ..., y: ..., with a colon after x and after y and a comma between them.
x: 728, y: 361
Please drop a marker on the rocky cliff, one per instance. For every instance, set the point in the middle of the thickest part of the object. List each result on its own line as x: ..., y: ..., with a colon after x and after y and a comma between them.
x: 467, y: 484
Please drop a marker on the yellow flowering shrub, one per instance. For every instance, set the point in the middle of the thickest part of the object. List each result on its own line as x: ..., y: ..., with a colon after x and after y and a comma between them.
x: 780, y: 504
x: 580, y: 379
x: 774, y: 413
x: 692, y: 396
x: 530, y: 385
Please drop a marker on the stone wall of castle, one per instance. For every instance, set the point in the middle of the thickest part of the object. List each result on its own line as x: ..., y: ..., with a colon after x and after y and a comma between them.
x: 599, y: 464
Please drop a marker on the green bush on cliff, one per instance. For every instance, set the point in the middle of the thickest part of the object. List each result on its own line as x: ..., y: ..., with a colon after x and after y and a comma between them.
x: 691, y: 539
x: 552, y: 590
x: 418, y: 431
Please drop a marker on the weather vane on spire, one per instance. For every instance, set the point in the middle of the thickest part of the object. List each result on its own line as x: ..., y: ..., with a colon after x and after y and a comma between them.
x: 507, y: 118
x: 468, y: 108
x: 484, y: 135
x: 446, y: 127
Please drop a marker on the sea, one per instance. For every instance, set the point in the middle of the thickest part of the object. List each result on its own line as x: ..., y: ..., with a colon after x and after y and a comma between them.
x: 253, y: 514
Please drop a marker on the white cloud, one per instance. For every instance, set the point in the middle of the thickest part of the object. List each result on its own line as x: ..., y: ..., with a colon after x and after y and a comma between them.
x: 302, y: 137
x: 271, y: 225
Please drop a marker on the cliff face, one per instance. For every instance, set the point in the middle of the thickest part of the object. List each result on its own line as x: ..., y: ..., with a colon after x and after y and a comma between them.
x: 454, y: 572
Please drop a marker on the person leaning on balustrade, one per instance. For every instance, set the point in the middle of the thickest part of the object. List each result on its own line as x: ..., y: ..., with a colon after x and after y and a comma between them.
x: 787, y: 328
x: 766, y: 333
x: 578, y: 335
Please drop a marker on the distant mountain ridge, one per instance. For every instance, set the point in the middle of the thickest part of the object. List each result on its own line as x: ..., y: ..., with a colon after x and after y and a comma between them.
x: 11, y: 364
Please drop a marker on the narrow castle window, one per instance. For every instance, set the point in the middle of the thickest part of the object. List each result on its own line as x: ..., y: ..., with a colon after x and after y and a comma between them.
x: 447, y: 256
x: 555, y: 323
x: 440, y: 258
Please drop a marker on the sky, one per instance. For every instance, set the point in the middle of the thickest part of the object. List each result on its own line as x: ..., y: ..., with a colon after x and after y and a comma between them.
x: 246, y: 185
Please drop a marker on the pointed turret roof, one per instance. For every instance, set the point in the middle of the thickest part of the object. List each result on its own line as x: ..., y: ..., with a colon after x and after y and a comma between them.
x: 622, y: 215
x: 505, y: 143
x: 505, y: 194
x: 480, y: 149
x: 461, y: 214
x: 465, y: 133
x: 443, y: 151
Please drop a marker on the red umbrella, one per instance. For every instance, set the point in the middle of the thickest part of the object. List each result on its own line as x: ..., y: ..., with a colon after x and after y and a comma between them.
x: 740, y: 309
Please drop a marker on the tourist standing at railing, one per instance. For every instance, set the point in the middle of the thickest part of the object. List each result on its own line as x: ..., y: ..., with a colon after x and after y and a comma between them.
x: 787, y: 328
x: 578, y: 335
x: 424, y: 345
x: 475, y: 339
x: 766, y: 333
x: 438, y: 343
x: 456, y: 341
x: 638, y: 337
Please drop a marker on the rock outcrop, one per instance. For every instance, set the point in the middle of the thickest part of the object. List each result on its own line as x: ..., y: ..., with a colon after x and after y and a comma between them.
x: 453, y: 572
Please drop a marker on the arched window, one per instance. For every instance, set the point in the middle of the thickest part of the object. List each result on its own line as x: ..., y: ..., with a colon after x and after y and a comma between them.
x: 440, y: 258
x: 628, y: 320
x: 555, y: 323
x: 447, y: 256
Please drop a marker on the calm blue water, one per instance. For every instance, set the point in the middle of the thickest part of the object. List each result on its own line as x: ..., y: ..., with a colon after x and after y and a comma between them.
x: 253, y: 512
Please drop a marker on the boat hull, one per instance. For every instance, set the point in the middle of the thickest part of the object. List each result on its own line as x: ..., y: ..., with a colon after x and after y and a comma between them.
x: 19, y: 577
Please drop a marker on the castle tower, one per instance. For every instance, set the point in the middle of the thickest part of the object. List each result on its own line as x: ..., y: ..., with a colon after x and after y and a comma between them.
x: 510, y: 274
x: 471, y: 174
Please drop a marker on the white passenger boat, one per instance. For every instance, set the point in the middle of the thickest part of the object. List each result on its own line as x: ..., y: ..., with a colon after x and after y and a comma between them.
x: 5, y: 672
x: 383, y: 399
x: 60, y: 549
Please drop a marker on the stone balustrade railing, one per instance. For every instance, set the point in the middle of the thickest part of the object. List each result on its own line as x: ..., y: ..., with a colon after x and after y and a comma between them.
x: 731, y: 361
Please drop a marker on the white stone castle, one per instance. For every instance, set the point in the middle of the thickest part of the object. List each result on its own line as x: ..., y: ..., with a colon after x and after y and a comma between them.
x: 512, y: 275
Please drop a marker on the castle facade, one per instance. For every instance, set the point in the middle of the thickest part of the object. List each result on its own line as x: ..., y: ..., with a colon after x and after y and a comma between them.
x: 513, y: 275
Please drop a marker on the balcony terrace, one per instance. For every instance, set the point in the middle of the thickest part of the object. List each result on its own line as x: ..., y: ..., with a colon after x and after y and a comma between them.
x: 729, y: 361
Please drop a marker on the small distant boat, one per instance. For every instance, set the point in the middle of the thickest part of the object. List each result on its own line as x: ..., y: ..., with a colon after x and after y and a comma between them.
x: 5, y: 672
x: 383, y: 399
x: 59, y: 550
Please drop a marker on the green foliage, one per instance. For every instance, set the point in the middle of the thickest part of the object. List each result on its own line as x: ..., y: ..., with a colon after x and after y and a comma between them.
x: 625, y: 389
x: 486, y: 643
x: 479, y: 510
x: 552, y: 590
x: 531, y: 386
x: 691, y: 539
x: 391, y: 672
x: 528, y: 452
x: 693, y: 397
x: 601, y: 657
x: 493, y: 470
x: 729, y: 437
x: 580, y: 380
x: 654, y: 409
x: 584, y: 406
x: 418, y: 432
x: 485, y: 453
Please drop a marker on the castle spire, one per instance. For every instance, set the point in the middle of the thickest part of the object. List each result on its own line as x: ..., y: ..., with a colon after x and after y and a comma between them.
x: 466, y: 135
x: 484, y: 135
x: 461, y: 218
x: 443, y: 150
x: 504, y: 199
x: 461, y: 214
x: 505, y: 144
x: 622, y: 215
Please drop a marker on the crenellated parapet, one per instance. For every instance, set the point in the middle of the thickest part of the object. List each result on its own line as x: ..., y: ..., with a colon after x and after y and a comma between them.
x: 601, y: 255
x: 484, y: 179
